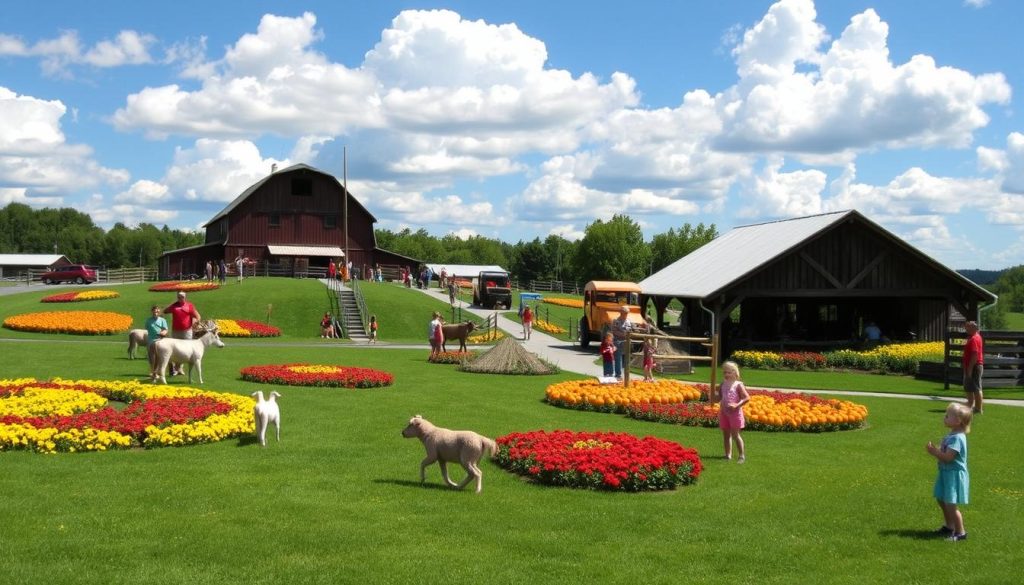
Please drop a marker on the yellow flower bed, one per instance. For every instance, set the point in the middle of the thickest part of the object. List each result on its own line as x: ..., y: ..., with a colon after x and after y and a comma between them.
x: 66, y: 397
x: 771, y: 410
x: 592, y: 395
x: 547, y: 327
x: 78, y: 322
x: 485, y: 337
x: 573, y: 303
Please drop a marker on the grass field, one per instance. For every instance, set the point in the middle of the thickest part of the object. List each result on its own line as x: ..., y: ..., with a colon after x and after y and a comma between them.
x: 339, y: 499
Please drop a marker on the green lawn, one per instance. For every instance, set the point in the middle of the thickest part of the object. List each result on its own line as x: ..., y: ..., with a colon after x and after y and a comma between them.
x: 1015, y: 321
x: 339, y: 499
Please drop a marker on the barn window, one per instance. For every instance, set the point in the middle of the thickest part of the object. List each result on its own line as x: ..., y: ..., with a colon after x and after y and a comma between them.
x: 302, y: 186
x: 274, y: 219
x: 330, y: 222
x: 828, y: 313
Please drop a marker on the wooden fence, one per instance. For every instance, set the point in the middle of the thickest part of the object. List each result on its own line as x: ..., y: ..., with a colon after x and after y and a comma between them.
x: 710, y: 342
x: 1003, y: 353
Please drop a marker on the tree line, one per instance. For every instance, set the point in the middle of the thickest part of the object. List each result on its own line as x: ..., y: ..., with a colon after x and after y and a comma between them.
x: 70, y: 232
x: 609, y: 250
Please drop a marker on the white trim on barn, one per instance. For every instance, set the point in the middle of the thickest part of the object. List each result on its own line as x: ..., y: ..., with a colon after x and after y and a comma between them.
x: 315, y: 251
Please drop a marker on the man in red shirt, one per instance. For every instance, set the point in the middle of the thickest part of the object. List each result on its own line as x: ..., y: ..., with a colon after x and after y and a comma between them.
x: 183, y: 315
x: 973, y: 365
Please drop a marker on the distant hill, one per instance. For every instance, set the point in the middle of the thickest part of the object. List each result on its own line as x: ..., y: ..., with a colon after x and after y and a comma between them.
x: 982, y: 276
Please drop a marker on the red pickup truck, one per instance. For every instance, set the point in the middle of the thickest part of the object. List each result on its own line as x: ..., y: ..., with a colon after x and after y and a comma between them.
x: 77, y: 273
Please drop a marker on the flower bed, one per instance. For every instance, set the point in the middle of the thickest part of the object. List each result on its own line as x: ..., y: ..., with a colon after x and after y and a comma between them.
x: 77, y: 322
x: 766, y: 411
x: 74, y: 415
x: 486, y: 337
x: 572, y: 303
x: 79, y: 296
x: 599, y: 460
x: 184, y: 285
x: 900, y: 358
x: 547, y: 327
x: 451, y: 357
x: 243, y: 328
x: 591, y: 395
x: 317, y: 375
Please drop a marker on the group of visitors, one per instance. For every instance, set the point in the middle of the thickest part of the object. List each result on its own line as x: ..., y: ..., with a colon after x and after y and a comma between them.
x: 183, y: 316
x: 216, y: 271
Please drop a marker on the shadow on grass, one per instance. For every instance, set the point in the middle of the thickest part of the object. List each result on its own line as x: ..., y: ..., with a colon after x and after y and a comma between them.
x: 247, y: 440
x: 911, y: 534
x: 414, y: 484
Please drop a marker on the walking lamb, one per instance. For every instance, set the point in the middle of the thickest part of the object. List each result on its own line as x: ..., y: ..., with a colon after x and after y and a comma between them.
x: 444, y: 445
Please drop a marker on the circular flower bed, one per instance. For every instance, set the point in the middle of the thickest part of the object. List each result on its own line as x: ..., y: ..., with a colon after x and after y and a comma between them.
x: 766, y: 411
x: 317, y: 375
x: 184, y: 285
x: 451, y: 357
x: 243, y: 328
x: 78, y: 322
x: 597, y: 460
x: 592, y: 395
x: 75, y: 415
x: 74, y: 297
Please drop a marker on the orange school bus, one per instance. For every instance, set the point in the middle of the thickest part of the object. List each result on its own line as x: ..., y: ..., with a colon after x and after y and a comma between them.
x: 602, y: 300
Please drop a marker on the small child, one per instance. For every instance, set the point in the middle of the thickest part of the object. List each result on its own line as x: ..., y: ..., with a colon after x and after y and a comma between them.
x: 608, y: 355
x: 373, y: 329
x: 156, y: 329
x: 953, y: 482
x: 731, y: 396
x: 650, y: 346
x: 326, y: 327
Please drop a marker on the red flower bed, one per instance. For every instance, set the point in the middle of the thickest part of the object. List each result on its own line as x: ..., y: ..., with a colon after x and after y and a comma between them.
x: 134, y: 419
x: 257, y: 329
x: 599, y: 460
x: 185, y: 285
x: 317, y: 375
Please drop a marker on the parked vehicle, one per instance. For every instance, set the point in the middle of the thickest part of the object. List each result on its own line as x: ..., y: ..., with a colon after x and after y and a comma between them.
x: 602, y: 300
x: 491, y: 289
x: 77, y: 273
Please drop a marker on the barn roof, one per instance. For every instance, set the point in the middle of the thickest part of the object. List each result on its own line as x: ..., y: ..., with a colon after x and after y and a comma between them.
x: 30, y: 260
x: 733, y: 256
x: 252, y: 189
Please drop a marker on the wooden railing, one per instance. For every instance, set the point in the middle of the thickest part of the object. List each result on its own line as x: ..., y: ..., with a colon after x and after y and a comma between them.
x: 1003, y: 352
x: 711, y: 342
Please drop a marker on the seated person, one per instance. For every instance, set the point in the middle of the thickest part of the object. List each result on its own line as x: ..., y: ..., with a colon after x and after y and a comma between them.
x: 872, y: 332
x: 327, y: 327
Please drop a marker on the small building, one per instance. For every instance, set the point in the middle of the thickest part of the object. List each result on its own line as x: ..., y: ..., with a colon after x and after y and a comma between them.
x: 813, y: 282
x: 294, y: 221
x: 16, y: 265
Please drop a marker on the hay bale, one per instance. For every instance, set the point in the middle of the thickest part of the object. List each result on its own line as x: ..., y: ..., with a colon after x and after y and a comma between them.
x: 509, y: 357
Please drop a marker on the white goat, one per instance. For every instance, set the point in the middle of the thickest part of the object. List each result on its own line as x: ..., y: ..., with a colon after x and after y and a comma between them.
x: 266, y: 412
x: 136, y: 337
x: 189, y: 351
x: 444, y: 445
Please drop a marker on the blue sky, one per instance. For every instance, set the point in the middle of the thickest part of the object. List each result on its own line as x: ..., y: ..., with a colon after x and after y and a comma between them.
x: 519, y: 120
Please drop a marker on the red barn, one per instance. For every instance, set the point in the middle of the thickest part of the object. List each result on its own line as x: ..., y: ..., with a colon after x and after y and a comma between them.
x: 290, y: 222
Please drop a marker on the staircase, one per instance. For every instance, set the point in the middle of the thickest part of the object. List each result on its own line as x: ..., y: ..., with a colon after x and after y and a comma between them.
x: 350, y: 314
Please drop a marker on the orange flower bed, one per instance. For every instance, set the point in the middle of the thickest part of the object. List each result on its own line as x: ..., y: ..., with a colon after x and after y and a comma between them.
x: 76, y: 322
x: 572, y: 303
x: 75, y: 297
x: 184, y: 285
x: 592, y: 395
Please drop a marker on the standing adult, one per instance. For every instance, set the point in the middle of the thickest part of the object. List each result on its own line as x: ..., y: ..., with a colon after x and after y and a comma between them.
x: 973, y: 363
x: 332, y: 269
x: 527, y: 321
x: 183, y: 315
x: 240, y: 267
x: 436, y: 334
x: 451, y: 291
x: 620, y: 328
x: 209, y: 271
x: 223, y: 271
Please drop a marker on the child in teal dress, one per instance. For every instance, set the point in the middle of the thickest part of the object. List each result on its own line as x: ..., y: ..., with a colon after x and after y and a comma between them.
x: 953, y: 482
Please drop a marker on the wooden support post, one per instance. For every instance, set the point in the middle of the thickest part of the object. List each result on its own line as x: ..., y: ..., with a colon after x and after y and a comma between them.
x: 626, y: 359
x: 714, y: 362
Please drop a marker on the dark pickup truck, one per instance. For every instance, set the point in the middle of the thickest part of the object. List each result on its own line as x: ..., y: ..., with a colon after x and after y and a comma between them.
x: 491, y: 289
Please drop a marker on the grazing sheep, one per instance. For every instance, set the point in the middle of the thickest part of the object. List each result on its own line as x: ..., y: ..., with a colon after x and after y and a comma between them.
x: 266, y: 412
x: 189, y: 351
x: 136, y: 337
x: 444, y: 445
x: 458, y: 331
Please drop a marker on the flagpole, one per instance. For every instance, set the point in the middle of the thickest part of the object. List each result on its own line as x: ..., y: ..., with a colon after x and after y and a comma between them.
x: 344, y: 177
